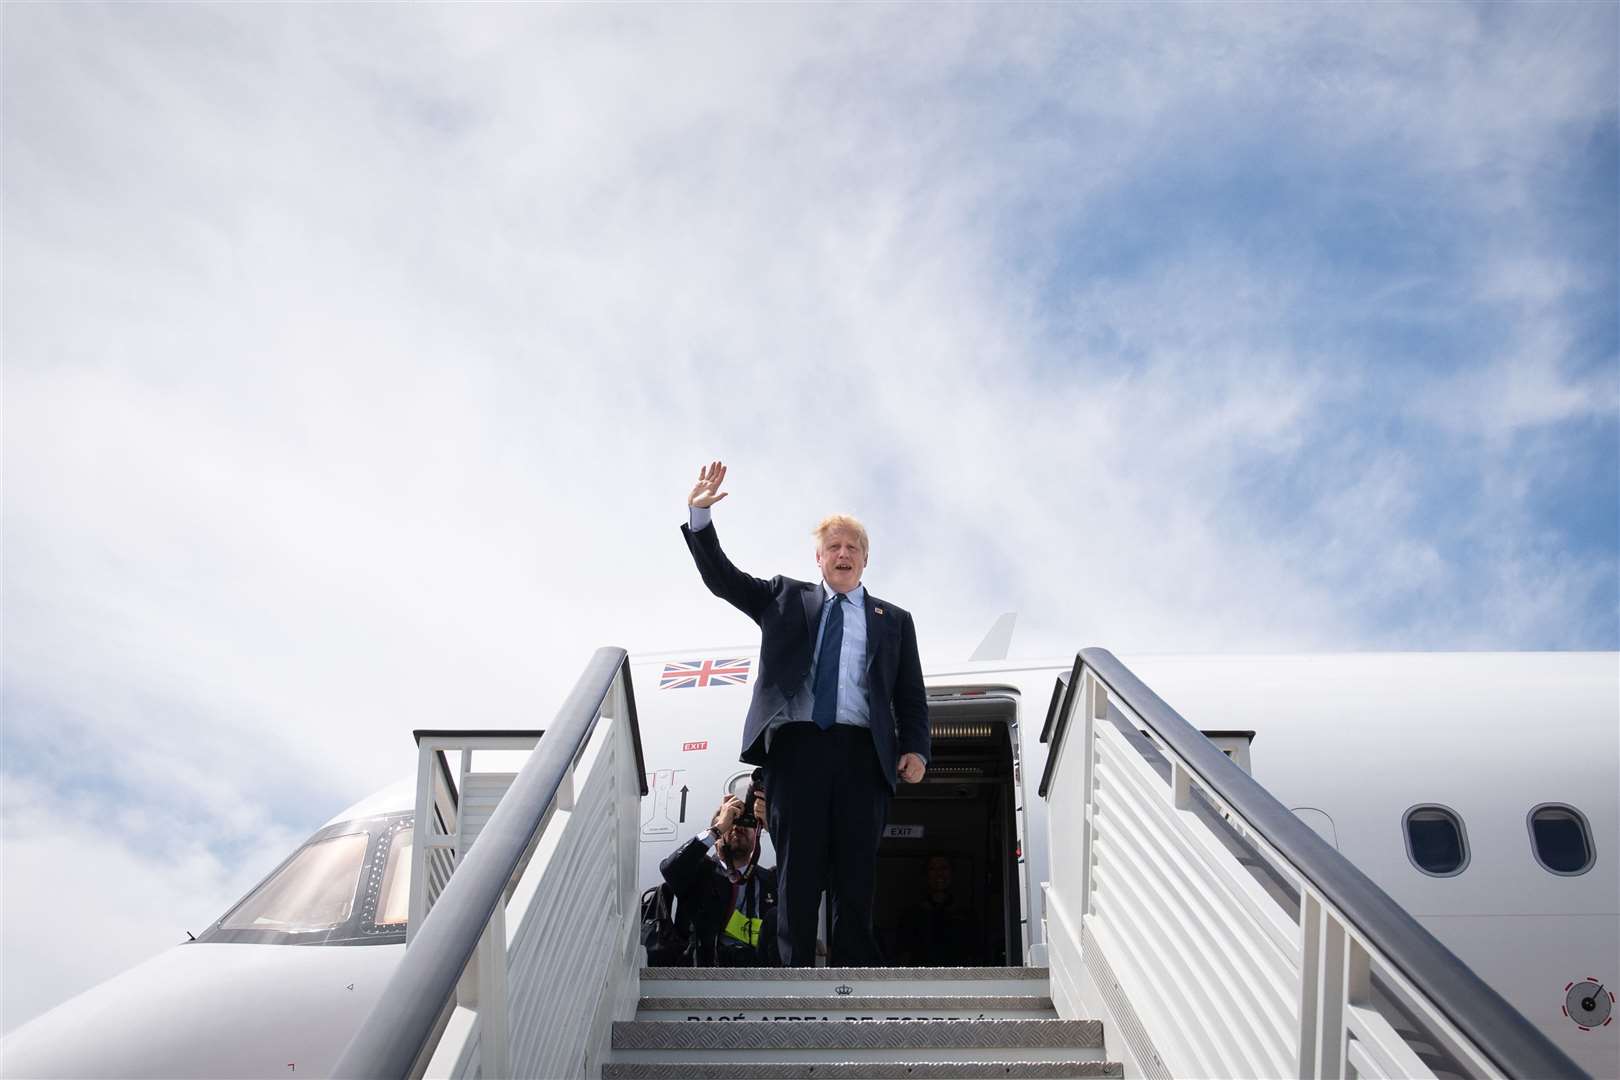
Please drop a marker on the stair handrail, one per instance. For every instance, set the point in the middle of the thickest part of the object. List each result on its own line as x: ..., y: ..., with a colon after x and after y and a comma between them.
x: 396, y: 1031
x: 1496, y: 1028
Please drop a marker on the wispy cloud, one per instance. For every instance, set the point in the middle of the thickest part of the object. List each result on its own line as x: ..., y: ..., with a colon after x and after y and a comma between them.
x: 358, y: 360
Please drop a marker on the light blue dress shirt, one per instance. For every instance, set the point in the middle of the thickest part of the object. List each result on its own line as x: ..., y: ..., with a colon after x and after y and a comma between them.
x: 853, y: 706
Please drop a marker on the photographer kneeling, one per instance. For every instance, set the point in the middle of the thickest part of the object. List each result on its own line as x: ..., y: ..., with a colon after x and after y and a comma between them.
x: 726, y: 900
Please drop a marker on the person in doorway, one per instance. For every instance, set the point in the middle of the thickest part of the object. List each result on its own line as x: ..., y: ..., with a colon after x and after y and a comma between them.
x: 838, y: 716
x: 724, y: 899
x: 936, y: 932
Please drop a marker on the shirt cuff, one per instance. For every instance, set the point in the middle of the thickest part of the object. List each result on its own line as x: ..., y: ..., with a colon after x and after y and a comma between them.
x: 706, y: 838
x: 700, y: 516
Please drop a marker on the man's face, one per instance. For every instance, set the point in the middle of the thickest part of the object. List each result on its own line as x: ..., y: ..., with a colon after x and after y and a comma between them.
x: 841, y: 560
x: 739, y: 843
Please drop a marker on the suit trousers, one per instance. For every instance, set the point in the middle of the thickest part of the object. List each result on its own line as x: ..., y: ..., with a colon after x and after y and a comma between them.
x: 827, y: 803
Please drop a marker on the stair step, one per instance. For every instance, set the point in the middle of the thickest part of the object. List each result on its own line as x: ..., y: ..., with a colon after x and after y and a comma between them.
x: 858, y: 1070
x: 863, y: 982
x: 827, y: 1006
x: 870, y: 1040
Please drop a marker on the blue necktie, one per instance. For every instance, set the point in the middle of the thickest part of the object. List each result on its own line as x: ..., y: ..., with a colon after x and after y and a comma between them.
x: 824, y: 690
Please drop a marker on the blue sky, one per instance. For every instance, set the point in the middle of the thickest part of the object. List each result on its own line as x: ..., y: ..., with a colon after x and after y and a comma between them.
x: 346, y: 346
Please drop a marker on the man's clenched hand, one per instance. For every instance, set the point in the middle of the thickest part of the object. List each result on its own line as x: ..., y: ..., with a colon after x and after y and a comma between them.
x: 707, y: 490
x: 911, y: 768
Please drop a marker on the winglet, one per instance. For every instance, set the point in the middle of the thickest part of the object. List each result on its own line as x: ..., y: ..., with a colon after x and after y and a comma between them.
x: 995, y: 643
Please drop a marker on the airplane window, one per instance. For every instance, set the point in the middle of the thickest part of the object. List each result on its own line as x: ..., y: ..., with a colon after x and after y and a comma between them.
x: 1435, y: 841
x: 394, y: 899
x: 1560, y: 839
x: 314, y: 891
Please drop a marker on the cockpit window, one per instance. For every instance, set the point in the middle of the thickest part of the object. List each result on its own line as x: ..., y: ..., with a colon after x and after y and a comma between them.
x: 394, y: 898
x: 314, y: 891
x: 349, y: 884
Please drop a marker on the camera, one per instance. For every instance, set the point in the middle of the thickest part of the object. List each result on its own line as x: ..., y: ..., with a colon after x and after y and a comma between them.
x: 756, y: 788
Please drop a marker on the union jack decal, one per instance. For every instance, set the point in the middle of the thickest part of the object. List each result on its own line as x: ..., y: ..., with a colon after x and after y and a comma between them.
x: 685, y: 674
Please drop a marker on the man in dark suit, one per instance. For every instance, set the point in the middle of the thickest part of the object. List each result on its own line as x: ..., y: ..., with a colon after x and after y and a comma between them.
x: 838, y: 714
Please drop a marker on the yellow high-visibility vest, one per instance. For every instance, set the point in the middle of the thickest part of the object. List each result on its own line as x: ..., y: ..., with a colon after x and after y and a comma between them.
x: 743, y: 929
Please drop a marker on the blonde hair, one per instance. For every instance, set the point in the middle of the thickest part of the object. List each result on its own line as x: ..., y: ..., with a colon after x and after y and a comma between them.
x: 847, y: 523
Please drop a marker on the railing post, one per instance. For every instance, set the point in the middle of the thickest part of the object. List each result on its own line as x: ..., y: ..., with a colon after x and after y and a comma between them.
x: 1093, y: 703
x: 625, y: 769
x: 421, y: 832
x: 1357, y: 973
x: 494, y: 1036
x: 1332, y: 1016
x: 461, y: 819
x: 1357, y: 991
x: 1180, y: 785
x: 1310, y: 954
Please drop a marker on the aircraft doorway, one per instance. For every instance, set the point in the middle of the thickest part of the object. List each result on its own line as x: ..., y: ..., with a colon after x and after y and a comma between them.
x: 949, y: 873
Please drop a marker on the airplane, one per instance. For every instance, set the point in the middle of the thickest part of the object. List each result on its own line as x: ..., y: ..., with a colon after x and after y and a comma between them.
x: 1478, y: 789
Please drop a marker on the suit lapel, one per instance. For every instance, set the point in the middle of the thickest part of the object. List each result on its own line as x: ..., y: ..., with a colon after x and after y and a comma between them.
x: 876, y: 626
x: 812, y: 611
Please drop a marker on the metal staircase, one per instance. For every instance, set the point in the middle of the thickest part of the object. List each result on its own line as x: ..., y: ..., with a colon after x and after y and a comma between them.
x: 720, y: 1023
x: 1191, y: 920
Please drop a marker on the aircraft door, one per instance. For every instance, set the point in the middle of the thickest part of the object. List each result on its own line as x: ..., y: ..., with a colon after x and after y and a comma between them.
x: 949, y: 883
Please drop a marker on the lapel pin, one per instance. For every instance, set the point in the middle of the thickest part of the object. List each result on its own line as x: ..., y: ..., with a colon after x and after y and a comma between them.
x: 877, y: 611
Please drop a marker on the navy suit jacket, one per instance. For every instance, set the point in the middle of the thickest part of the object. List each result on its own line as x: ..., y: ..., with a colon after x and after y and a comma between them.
x: 788, y: 612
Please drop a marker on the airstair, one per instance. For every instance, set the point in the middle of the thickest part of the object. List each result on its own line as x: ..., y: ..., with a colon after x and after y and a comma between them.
x: 1191, y: 927
x: 799, y: 1023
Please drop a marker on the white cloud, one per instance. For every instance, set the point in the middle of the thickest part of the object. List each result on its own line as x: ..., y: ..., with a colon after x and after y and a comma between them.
x: 358, y: 360
x: 88, y: 893
x: 1523, y: 384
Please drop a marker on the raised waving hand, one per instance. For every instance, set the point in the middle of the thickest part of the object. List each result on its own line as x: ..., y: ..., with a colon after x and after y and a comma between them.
x: 706, y: 492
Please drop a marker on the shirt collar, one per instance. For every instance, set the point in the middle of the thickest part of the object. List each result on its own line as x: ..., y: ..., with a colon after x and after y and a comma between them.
x: 734, y: 874
x: 857, y: 595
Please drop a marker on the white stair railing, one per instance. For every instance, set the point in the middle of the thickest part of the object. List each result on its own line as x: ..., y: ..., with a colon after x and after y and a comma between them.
x: 1218, y: 935
x: 523, y: 960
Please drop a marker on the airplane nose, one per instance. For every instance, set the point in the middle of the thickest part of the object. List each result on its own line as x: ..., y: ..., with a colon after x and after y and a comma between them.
x: 210, y: 1010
